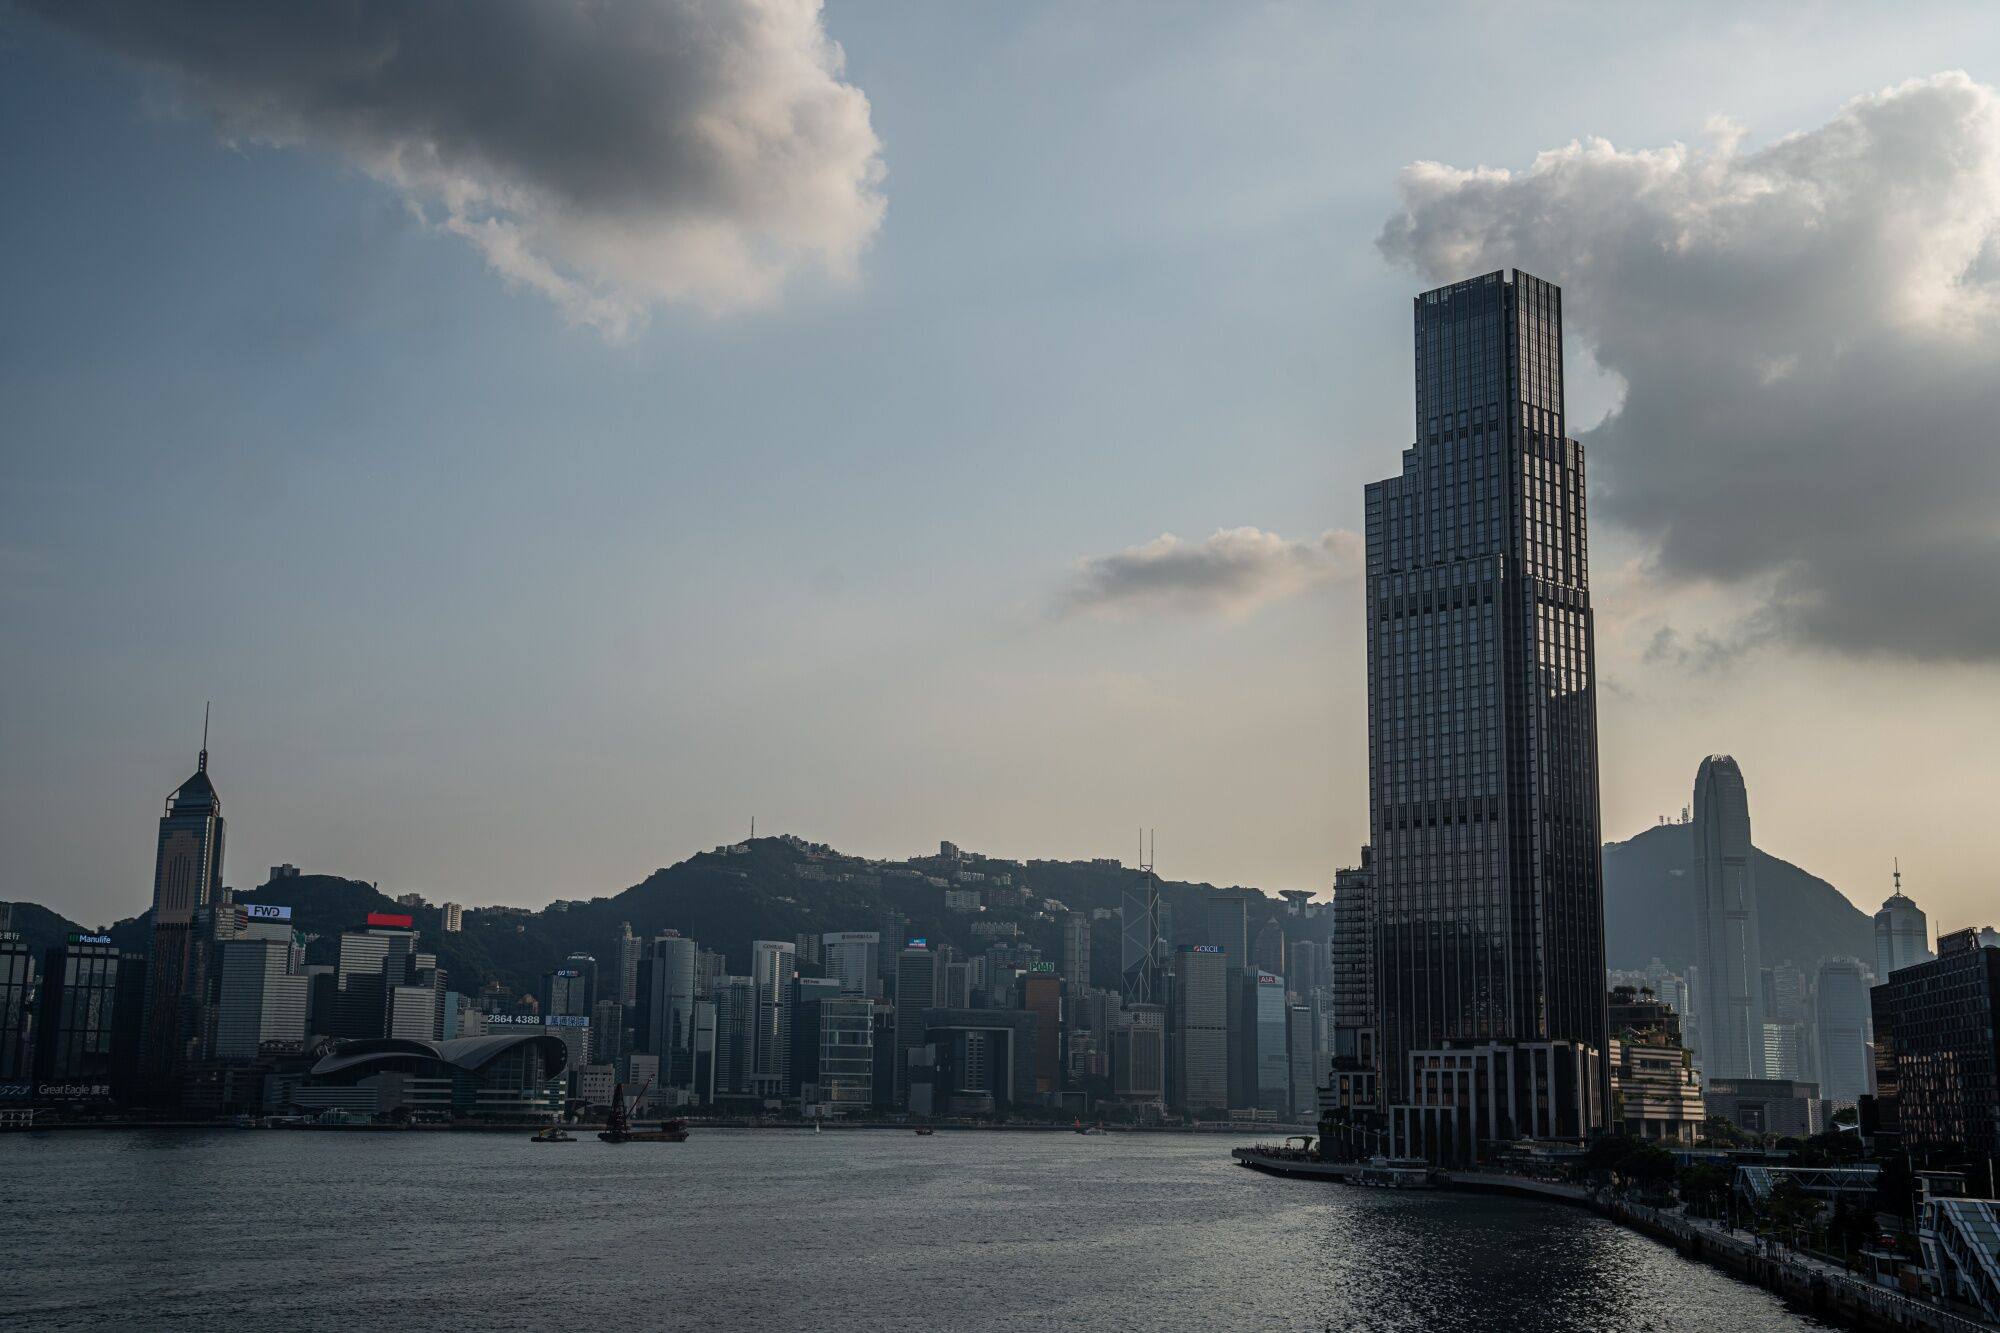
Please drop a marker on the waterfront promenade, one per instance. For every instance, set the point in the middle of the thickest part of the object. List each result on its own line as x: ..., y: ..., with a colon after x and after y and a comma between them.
x: 1830, y: 1292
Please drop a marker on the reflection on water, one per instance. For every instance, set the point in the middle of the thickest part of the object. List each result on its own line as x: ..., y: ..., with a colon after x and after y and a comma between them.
x: 279, y: 1229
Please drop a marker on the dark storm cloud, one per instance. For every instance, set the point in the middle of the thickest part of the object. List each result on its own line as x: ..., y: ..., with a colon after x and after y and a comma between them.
x: 610, y: 156
x: 1233, y: 572
x: 1809, y: 340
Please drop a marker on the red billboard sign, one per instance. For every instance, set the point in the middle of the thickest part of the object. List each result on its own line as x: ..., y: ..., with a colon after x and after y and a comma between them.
x: 393, y: 920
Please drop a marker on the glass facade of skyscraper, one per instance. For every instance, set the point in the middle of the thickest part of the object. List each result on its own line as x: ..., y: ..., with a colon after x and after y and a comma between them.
x: 1483, y: 811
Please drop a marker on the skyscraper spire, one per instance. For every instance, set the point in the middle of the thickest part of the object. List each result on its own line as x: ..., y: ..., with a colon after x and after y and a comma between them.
x: 202, y: 765
x: 1897, y: 862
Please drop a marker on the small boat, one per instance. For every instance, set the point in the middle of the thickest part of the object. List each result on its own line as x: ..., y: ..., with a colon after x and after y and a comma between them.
x: 1082, y: 1128
x: 618, y: 1125
x: 925, y: 1129
x: 815, y: 1126
x: 552, y: 1134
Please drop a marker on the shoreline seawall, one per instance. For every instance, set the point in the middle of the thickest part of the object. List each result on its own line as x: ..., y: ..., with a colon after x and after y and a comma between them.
x: 1824, y: 1292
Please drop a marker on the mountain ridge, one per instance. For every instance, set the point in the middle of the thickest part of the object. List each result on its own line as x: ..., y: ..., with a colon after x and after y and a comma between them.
x: 778, y: 887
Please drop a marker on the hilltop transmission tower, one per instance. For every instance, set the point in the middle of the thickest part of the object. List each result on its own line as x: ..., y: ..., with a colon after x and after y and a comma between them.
x: 1139, y: 932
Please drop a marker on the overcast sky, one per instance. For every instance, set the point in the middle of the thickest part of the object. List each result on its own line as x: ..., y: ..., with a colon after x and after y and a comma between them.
x: 553, y: 435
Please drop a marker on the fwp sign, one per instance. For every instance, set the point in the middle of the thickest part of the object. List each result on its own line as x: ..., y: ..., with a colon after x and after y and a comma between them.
x: 268, y: 912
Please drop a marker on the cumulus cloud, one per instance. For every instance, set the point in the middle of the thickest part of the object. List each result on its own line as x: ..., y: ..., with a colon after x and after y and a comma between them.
x: 1232, y: 573
x: 611, y: 157
x: 1807, y: 334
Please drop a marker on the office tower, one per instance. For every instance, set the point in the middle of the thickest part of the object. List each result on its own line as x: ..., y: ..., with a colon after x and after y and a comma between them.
x: 411, y: 1012
x: 1229, y: 926
x: 1139, y: 1053
x: 1784, y: 1051
x: 976, y: 1061
x: 773, y: 964
x: 629, y: 948
x: 708, y: 965
x: 372, y: 962
x: 810, y: 953
x: 1139, y: 933
x: 1482, y: 727
x: 460, y: 1018
x: 887, y: 1056
x: 128, y: 1030
x: 705, y: 1035
x: 847, y: 1053
x: 1937, y: 1049
x: 1269, y: 950
x: 894, y: 931
x: 1840, y: 1001
x: 76, y: 1018
x: 1902, y: 933
x: 17, y: 1007
x: 570, y: 990
x: 451, y: 918
x: 1731, y: 999
x: 263, y: 1000
x: 1784, y: 992
x: 187, y: 885
x: 666, y: 1023
x: 802, y: 1074
x: 1259, y: 1044
x: 918, y: 981
x: 958, y: 984
x: 607, y: 1032
x: 1076, y: 954
x: 1306, y: 967
x: 1305, y: 1067
x: 1200, y: 1029
x: 735, y: 1036
x: 854, y: 958
x: 1041, y: 995
x: 1351, y: 965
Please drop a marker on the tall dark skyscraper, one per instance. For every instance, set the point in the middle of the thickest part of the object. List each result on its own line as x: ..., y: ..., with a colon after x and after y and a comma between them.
x: 187, y: 884
x: 1482, y: 722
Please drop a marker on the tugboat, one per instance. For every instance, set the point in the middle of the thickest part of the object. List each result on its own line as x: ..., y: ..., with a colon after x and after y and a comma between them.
x: 618, y: 1125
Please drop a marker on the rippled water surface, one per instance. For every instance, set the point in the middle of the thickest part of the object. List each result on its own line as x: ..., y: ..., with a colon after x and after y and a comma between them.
x: 780, y: 1230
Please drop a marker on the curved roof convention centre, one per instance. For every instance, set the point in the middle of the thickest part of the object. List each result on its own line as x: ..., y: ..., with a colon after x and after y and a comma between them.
x: 467, y: 1053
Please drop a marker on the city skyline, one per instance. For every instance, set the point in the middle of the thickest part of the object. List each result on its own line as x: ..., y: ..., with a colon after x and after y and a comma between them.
x: 704, y: 610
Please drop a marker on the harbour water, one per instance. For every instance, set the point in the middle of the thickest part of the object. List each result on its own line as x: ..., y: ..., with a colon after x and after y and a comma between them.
x: 763, y: 1229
